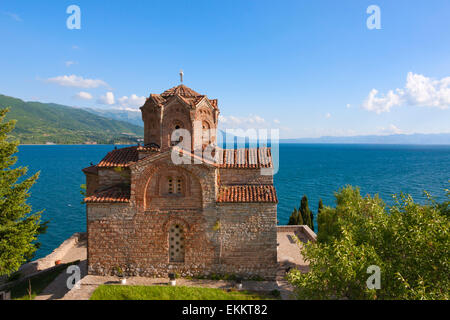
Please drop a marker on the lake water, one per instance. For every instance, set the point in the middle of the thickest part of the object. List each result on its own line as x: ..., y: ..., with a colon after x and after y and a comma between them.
x: 315, y: 170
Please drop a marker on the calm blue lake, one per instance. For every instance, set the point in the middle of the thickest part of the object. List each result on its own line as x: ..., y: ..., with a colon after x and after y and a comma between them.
x: 315, y: 170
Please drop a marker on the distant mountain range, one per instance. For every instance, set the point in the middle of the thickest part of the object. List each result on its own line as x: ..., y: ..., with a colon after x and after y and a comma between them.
x: 41, y: 123
x: 133, y: 117
x: 416, y: 138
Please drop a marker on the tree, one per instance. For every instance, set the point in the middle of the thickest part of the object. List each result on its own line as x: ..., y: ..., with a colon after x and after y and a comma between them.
x: 409, y: 242
x: 295, y: 218
x: 19, y: 227
x: 305, y: 212
x: 320, y: 208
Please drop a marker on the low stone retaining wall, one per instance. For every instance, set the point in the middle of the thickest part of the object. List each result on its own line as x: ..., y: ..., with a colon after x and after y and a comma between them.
x: 57, y: 254
x: 299, y: 229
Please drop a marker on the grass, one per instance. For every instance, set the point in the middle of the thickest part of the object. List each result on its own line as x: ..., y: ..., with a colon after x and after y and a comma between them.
x: 38, y: 283
x: 118, y: 292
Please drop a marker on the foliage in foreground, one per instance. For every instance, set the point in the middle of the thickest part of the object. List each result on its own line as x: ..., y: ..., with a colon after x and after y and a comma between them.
x: 118, y: 292
x: 19, y: 227
x: 408, y: 241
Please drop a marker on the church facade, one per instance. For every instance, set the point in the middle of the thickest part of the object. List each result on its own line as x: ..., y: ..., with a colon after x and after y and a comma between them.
x: 151, y: 215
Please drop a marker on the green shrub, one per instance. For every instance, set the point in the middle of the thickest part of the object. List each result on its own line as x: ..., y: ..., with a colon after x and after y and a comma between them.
x: 409, y: 242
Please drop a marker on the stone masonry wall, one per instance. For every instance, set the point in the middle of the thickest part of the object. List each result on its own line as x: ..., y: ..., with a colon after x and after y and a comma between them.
x: 112, y: 176
x: 91, y: 184
x: 244, y: 176
x: 139, y: 243
x: 226, y: 238
x: 248, y: 234
x: 242, y: 241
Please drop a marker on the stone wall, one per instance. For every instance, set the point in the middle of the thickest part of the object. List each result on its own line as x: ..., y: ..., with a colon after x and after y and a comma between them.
x: 57, y: 254
x: 175, y: 115
x: 111, y: 176
x: 140, y: 246
x: 301, y: 230
x: 162, y: 194
x: 235, y: 239
x: 244, y: 176
x: 225, y: 238
x: 91, y: 184
x: 248, y: 236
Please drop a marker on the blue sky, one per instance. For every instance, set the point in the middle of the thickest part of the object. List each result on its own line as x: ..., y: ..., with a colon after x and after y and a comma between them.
x: 306, y: 67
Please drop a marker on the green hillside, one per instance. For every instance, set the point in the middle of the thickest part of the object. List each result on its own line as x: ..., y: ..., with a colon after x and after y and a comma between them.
x: 40, y: 123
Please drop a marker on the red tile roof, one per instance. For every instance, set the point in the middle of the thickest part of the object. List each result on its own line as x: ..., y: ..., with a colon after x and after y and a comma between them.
x: 157, y: 99
x: 91, y: 169
x: 247, y: 194
x: 120, y: 158
x: 228, y: 158
x: 149, y: 148
x: 186, y: 94
x: 247, y: 158
x: 180, y: 90
x: 254, y: 158
x: 115, y: 194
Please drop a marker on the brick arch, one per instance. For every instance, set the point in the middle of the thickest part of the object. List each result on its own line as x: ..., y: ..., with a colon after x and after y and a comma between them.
x: 172, y: 220
x: 144, y: 179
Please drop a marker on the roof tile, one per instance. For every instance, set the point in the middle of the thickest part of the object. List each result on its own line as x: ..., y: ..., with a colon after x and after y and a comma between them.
x: 227, y: 158
x: 114, y: 194
x: 92, y: 169
x: 248, y: 158
x: 180, y: 90
x: 247, y: 194
x: 120, y: 158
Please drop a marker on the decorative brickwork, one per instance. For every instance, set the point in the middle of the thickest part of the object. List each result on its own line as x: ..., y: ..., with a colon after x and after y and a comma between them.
x: 151, y: 217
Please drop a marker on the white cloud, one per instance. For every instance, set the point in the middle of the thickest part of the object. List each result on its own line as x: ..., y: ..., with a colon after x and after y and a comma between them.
x: 328, y: 115
x: 348, y: 106
x: 391, y: 129
x: 383, y: 103
x: 70, y: 63
x: 77, y: 81
x: 419, y: 91
x: 222, y: 119
x: 395, y: 129
x: 108, y: 99
x: 83, y: 95
x: 423, y: 91
x: 131, y: 102
x: 252, y: 121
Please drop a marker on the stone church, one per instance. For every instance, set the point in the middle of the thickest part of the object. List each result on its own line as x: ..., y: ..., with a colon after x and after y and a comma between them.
x: 151, y: 216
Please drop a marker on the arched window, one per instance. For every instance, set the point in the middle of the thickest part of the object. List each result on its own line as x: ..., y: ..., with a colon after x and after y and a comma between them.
x: 176, y: 244
x: 176, y: 136
x: 205, y: 133
x: 175, y: 186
